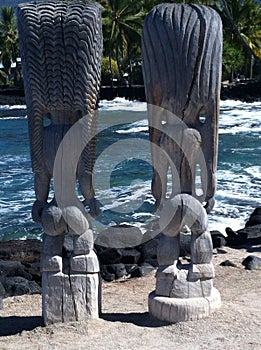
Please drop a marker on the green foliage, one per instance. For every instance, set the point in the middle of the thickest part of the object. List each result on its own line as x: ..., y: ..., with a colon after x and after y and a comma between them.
x: 106, y: 73
x: 123, y: 21
x: 122, y: 26
x: 9, y: 46
x: 233, y: 60
x: 124, y: 44
x: 242, y: 24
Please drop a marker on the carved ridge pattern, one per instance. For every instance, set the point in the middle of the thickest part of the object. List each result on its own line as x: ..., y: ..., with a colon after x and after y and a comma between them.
x: 55, y: 79
x: 181, y: 49
x: 179, y: 44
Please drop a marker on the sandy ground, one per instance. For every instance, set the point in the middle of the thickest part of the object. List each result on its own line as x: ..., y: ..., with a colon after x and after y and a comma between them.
x: 126, y: 324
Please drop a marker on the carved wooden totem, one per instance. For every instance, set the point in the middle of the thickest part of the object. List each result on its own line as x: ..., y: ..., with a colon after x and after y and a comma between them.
x: 61, y: 48
x: 182, y: 51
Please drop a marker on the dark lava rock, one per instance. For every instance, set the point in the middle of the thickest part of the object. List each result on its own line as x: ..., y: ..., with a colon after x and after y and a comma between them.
x: 108, y: 256
x: 113, y: 271
x: 245, y: 91
x: 20, y: 267
x: 13, y: 268
x: 130, y: 256
x: 24, y: 251
x: 252, y: 262
x: 107, y: 273
x: 221, y: 251
x: 142, y: 270
x: 247, y: 235
x: 251, y: 233
x: 218, y: 239
x: 19, y: 286
x: 233, y: 238
x: 228, y: 263
x: 119, y: 270
x: 254, y: 220
x: 149, y: 251
x: 130, y: 267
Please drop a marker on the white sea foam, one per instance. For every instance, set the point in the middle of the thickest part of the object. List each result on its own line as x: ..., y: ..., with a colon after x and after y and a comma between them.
x: 234, y: 104
x: 140, y: 126
x: 8, y: 107
x: 235, y: 116
x: 255, y: 171
x: 240, y: 118
x: 238, y: 186
x: 121, y: 104
x: 124, y: 199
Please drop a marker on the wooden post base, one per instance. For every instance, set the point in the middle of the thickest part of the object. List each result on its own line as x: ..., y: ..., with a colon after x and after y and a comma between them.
x: 188, y: 309
x: 73, y: 297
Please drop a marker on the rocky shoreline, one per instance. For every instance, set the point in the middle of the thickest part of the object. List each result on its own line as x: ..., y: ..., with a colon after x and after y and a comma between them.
x: 244, y: 91
x: 20, y: 260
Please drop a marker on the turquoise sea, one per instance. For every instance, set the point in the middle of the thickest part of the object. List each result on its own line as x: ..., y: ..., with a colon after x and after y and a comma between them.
x: 123, y: 171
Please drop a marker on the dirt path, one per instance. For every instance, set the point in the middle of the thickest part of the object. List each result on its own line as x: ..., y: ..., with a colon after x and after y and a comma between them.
x: 126, y: 324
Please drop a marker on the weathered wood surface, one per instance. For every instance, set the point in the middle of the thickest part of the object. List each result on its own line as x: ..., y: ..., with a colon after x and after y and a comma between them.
x: 179, y: 310
x: 61, y: 48
x: 182, y: 52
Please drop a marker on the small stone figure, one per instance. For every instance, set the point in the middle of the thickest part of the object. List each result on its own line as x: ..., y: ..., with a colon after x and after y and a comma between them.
x: 182, y: 51
x: 61, y: 48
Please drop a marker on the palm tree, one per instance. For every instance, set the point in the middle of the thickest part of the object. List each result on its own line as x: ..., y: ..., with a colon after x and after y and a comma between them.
x: 9, y: 47
x: 122, y: 26
x: 244, y: 18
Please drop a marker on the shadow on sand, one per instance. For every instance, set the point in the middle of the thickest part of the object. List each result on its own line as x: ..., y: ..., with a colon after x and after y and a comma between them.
x: 142, y: 319
x: 13, y: 325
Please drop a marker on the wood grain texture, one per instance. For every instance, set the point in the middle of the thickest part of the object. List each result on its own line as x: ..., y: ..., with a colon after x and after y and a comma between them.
x: 61, y: 48
x: 182, y: 52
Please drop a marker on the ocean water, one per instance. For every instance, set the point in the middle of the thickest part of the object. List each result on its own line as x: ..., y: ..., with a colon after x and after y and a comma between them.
x: 123, y: 169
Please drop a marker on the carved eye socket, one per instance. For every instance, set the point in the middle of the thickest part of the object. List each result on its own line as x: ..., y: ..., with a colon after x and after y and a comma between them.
x: 163, y: 120
x: 202, y: 116
x: 47, y: 119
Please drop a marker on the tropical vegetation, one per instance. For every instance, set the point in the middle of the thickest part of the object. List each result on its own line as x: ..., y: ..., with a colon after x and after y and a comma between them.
x: 122, y: 28
x: 9, y: 47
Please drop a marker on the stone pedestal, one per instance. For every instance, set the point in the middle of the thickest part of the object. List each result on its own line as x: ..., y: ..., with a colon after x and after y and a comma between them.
x: 72, y: 292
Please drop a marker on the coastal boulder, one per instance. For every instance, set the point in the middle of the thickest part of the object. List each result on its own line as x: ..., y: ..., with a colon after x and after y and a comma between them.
x: 142, y: 270
x: 15, y: 280
x: 218, y: 239
x: 19, y: 285
x: 252, y: 262
x: 247, y: 235
x: 113, y: 271
x: 13, y: 268
x: 255, y: 218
